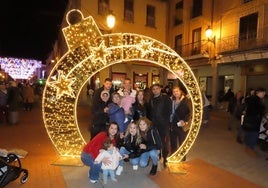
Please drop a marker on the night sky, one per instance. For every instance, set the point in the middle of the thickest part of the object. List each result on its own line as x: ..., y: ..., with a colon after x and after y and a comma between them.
x: 29, y: 28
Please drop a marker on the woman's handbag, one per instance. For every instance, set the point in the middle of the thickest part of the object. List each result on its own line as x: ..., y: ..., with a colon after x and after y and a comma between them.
x: 186, y: 126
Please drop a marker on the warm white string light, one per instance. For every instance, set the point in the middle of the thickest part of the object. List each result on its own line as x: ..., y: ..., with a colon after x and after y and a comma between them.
x: 19, y: 68
x: 90, y: 52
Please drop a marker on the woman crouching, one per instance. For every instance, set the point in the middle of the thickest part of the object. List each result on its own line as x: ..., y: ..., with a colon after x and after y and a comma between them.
x: 152, y: 144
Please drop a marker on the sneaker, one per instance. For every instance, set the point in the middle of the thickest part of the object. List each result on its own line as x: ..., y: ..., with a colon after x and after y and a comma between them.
x: 119, y: 170
x: 135, y: 167
x: 93, y: 181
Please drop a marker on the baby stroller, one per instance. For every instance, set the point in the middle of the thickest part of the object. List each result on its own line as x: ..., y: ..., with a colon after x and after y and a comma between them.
x: 10, y: 169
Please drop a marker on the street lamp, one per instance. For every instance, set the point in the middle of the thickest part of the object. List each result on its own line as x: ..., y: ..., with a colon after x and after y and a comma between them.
x: 209, y: 36
x: 110, y: 20
x: 212, y: 53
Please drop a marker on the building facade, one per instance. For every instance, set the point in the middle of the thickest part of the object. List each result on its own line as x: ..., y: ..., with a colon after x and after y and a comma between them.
x: 132, y: 16
x: 235, y: 56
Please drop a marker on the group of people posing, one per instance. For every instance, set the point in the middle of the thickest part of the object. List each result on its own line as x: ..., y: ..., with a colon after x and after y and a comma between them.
x: 135, y: 126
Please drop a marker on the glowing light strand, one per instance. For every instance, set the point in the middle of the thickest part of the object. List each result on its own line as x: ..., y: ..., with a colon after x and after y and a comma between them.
x: 83, y: 40
x: 19, y: 68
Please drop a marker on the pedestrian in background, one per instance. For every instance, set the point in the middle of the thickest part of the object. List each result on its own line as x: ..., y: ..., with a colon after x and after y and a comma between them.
x: 227, y: 98
x: 13, y: 102
x: 28, y: 97
x: 3, y: 103
x: 235, y: 110
x: 206, y: 108
x: 255, y: 110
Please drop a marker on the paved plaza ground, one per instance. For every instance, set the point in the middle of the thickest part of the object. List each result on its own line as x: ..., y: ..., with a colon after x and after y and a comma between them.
x: 215, y: 160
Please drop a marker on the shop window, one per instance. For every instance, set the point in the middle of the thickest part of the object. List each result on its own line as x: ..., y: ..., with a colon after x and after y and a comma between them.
x: 140, y: 81
x: 155, y: 79
x: 118, y: 79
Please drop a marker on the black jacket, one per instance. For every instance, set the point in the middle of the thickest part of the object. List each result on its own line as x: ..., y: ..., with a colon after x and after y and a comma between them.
x: 139, y: 110
x: 152, y: 139
x: 182, y: 112
x: 255, y: 109
x: 160, y: 109
x: 100, y: 118
x: 132, y: 147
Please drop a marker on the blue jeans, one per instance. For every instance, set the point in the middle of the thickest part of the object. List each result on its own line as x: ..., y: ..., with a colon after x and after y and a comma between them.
x: 95, y: 169
x: 144, y: 158
x: 123, y: 151
x: 107, y: 172
x: 251, y: 138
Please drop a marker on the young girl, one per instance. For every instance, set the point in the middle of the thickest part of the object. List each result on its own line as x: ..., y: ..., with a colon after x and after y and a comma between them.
x: 131, y: 147
x: 152, y: 144
x: 110, y: 152
x: 126, y: 103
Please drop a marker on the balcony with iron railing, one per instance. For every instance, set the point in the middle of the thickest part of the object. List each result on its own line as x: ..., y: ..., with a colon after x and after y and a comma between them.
x: 242, y: 42
x: 234, y: 44
x: 196, y: 49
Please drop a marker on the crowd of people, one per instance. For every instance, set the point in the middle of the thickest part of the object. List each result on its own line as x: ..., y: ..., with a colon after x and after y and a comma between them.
x: 248, y: 115
x: 142, y: 125
x: 13, y: 96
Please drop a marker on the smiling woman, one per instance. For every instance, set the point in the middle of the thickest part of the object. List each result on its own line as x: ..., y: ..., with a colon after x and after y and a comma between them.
x: 30, y: 28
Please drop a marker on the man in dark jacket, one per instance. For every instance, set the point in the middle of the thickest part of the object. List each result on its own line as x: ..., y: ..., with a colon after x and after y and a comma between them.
x: 108, y: 86
x: 159, y: 114
x: 255, y: 109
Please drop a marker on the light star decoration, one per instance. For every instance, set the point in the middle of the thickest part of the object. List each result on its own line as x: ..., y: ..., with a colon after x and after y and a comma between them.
x: 100, y: 53
x: 145, y: 47
x: 63, y: 85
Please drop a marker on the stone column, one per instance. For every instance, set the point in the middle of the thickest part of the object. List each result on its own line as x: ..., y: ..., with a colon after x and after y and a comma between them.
x: 214, y: 66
